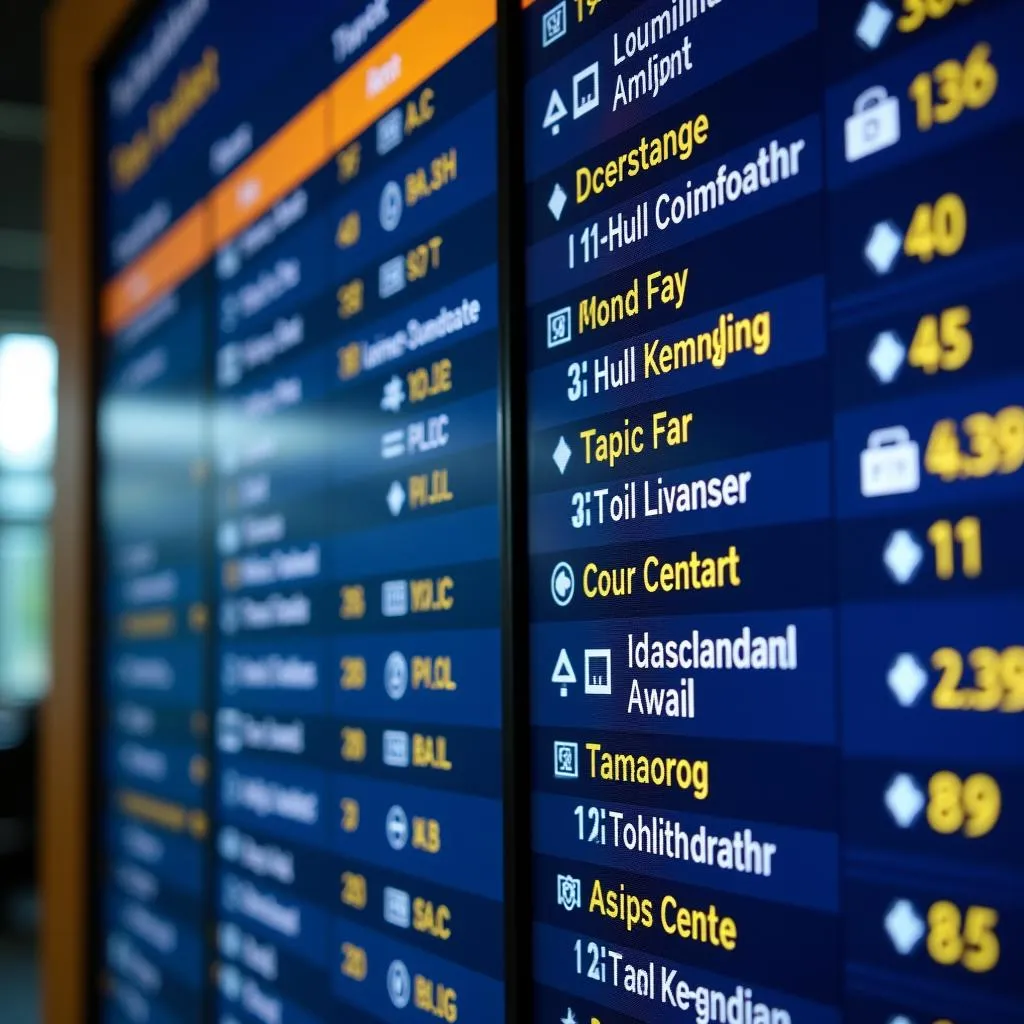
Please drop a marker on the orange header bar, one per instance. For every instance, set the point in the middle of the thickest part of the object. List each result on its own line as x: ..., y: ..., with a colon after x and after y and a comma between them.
x: 176, y: 254
x: 528, y: 3
x: 284, y: 162
x: 435, y: 33
x: 428, y: 39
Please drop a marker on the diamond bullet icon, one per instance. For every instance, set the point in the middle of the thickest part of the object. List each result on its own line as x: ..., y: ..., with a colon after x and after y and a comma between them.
x: 886, y: 357
x: 562, y: 455
x: 904, y: 926
x: 904, y: 800
x: 873, y: 25
x: 907, y: 679
x: 556, y: 204
x: 882, y: 248
x: 396, y: 498
x: 902, y: 556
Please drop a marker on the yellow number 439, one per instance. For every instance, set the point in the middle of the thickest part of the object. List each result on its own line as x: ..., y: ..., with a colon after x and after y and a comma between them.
x: 995, y: 445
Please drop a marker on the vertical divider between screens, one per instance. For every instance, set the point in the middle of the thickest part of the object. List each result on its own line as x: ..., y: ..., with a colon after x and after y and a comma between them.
x: 512, y: 497
x: 211, y: 661
x: 96, y: 699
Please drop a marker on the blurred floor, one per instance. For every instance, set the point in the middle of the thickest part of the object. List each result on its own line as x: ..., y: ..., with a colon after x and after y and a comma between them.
x: 19, y: 970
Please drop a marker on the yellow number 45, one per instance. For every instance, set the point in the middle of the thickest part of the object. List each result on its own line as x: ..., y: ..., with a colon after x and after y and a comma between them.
x: 942, y: 342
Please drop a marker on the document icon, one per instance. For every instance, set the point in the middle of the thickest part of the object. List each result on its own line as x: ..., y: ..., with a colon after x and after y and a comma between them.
x: 391, y: 277
x: 597, y: 671
x: 394, y: 598
x: 389, y: 131
x: 397, y: 907
x: 585, y: 90
x: 396, y: 748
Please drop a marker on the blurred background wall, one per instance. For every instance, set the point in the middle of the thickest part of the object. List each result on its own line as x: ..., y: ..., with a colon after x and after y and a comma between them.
x: 28, y: 378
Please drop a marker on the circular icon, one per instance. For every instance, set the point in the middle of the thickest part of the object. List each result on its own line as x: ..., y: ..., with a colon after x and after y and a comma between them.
x: 229, y: 262
x: 399, y: 984
x: 229, y: 312
x: 232, y: 894
x: 563, y: 584
x: 229, y: 538
x: 396, y: 675
x: 391, y: 206
x: 230, y: 730
x: 396, y: 826
x: 229, y: 938
x: 229, y: 618
x: 229, y: 673
x: 229, y: 844
x: 230, y: 982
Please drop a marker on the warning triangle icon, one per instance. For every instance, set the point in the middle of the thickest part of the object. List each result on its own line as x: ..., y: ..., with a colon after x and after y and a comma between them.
x: 563, y: 674
x: 556, y: 111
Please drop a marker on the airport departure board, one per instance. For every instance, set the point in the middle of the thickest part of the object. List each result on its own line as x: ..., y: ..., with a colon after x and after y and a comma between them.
x: 775, y: 423
x: 559, y: 506
x: 299, y: 516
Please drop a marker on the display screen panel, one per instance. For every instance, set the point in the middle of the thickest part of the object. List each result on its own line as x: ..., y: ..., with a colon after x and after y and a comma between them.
x: 559, y: 495
x: 299, y: 515
x: 774, y: 507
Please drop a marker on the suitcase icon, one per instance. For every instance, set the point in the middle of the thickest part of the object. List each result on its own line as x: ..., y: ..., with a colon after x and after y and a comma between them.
x: 874, y: 124
x: 890, y: 464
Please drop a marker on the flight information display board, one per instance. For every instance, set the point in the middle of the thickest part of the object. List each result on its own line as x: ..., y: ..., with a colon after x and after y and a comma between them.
x: 776, y: 440
x: 299, y: 516
x: 627, y: 625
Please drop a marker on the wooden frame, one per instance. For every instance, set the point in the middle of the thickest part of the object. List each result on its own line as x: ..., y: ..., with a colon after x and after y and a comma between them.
x: 77, y: 33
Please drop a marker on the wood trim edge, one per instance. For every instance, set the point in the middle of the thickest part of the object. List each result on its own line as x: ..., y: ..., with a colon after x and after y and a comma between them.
x: 76, y: 34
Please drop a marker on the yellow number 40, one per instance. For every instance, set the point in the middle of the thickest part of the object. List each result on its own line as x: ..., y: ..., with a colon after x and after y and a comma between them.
x: 937, y: 229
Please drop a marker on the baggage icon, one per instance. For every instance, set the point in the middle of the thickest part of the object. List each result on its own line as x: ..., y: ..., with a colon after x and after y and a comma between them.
x: 890, y: 464
x: 874, y: 124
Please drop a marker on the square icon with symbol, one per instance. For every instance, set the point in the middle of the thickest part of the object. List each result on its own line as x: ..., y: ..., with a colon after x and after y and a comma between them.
x: 597, y: 671
x: 570, y: 892
x: 586, y: 93
x: 567, y: 756
x: 560, y: 327
x: 553, y: 25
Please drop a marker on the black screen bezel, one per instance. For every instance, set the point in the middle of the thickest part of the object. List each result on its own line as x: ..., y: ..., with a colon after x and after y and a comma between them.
x: 512, y: 505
